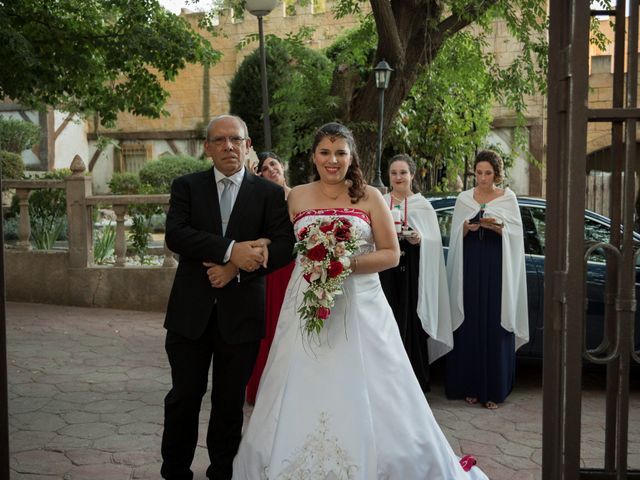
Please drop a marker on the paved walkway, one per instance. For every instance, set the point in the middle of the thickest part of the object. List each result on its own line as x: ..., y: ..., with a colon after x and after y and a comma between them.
x: 86, y: 388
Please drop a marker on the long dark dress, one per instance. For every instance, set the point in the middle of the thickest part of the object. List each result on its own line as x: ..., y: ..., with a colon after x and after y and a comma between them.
x: 400, y: 286
x: 482, y: 363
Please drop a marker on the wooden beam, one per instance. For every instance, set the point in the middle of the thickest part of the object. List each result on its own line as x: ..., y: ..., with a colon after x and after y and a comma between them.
x: 63, y: 126
x: 94, y: 159
x: 174, y: 147
x: 173, y: 135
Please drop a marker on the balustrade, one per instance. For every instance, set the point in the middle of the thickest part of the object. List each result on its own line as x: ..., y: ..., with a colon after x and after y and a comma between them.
x: 80, y: 202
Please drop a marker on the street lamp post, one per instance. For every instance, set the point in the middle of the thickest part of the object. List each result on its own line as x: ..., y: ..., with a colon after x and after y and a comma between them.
x: 383, y: 74
x: 261, y: 8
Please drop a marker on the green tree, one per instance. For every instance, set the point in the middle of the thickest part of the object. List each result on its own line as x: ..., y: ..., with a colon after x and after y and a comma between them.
x: 410, y: 36
x: 16, y: 135
x: 295, y: 72
x: 290, y: 67
x: 447, y: 114
x: 95, y: 56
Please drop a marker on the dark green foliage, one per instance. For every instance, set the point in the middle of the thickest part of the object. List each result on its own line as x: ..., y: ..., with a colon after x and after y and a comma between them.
x: 160, y: 173
x: 299, y: 80
x: 124, y: 183
x: 48, y: 212
x: 11, y: 228
x: 104, y: 244
x: 17, y: 135
x: 12, y: 165
x: 447, y: 114
x: 245, y: 98
x: 94, y: 56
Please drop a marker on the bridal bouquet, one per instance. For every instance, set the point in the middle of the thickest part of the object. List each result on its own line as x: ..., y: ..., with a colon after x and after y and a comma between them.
x: 324, y: 247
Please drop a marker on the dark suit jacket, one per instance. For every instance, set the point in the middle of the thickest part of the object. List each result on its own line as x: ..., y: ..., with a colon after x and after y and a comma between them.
x: 194, y: 231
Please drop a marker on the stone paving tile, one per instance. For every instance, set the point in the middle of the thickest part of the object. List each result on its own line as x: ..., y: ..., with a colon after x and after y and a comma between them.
x: 86, y: 392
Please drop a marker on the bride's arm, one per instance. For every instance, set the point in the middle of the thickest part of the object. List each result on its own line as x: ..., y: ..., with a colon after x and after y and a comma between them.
x: 387, y: 253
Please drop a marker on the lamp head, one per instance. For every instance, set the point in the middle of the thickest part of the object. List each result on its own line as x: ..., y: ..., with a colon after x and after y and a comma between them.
x: 260, y: 8
x: 383, y: 74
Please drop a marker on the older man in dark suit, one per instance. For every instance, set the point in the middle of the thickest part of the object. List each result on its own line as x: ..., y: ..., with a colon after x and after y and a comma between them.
x: 226, y: 225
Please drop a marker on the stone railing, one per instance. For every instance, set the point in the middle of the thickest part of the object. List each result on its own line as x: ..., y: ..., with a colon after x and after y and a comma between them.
x: 80, y: 203
x: 71, y: 277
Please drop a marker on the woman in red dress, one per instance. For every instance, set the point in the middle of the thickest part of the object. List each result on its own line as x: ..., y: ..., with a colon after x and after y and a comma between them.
x: 271, y: 168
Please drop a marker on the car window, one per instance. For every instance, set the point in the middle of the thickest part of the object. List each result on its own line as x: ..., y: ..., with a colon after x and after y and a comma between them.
x: 444, y: 222
x: 596, y: 232
x: 532, y: 225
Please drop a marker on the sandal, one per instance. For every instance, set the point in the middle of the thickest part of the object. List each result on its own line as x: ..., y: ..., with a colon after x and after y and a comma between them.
x: 491, y: 405
x: 471, y: 400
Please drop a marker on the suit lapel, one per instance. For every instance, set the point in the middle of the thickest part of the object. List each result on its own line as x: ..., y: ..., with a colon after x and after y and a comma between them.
x: 241, y: 203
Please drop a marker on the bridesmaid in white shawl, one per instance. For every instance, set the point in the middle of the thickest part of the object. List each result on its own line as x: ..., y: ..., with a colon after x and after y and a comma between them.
x: 487, y: 283
x: 417, y: 288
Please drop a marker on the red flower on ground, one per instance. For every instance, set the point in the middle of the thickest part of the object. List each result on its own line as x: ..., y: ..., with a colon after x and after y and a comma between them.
x: 317, y: 253
x: 335, y: 269
x: 323, y: 313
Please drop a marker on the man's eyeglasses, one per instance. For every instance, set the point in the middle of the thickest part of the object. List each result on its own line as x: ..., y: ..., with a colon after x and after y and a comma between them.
x: 222, y: 141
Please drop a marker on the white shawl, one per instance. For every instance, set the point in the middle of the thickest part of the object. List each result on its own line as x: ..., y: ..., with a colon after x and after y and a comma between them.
x: 515, y: 314
x: 433, y: 291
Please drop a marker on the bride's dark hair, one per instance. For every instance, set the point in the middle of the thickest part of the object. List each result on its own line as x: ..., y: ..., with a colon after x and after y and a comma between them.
x: 354, y: 173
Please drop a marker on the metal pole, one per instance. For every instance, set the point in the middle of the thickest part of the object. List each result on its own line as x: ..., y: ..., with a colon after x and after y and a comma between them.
x: 4, y: 398
x: 265, y: 89
x: 377, y: 182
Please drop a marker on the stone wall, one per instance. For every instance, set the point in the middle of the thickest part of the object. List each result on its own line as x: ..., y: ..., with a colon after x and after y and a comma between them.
x: 45, y: 277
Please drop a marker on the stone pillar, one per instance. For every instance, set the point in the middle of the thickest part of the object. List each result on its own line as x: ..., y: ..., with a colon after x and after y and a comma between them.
x: 24, y: 229
x: 79, y: 217
x: 121, y: 242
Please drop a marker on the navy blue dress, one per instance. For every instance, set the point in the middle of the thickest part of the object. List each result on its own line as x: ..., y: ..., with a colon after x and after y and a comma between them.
x: 482, y: 363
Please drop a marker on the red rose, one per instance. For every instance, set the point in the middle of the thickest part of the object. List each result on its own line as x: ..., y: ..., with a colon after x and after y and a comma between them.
x: 345, y: 222
x: 323, y: 313
x: 317, y: 253
x: 327, y: 227
x: 335, y: 269
x: 303, y: 232
x: 343, y: 234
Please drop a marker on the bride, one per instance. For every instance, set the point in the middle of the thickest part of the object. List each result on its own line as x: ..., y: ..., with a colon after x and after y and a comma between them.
x: 346, y: 404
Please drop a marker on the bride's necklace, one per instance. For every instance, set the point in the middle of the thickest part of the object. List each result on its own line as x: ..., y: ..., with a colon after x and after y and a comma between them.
x: 332, y: 197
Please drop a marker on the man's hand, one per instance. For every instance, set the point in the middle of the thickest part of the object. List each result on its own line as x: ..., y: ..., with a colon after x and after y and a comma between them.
x: 246, y: 256
x: 220, y: 275
x: 263, y: 243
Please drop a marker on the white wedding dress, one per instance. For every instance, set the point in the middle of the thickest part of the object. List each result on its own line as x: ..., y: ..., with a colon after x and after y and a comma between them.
x: 347, y: 406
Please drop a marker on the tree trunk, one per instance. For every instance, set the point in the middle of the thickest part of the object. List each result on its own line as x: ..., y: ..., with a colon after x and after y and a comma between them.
x: 410, y: 33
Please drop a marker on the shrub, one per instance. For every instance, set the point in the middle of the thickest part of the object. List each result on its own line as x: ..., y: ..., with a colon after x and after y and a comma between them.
x: 125, y: 184
x: 48, y: 212
x: 12, y: 165
x: 11, y: 228
x: 104, y: 244
x: 16, y: 135
x: 160, y: 173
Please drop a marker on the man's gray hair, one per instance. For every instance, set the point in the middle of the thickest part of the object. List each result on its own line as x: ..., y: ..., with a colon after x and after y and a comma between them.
x: 221, y: 117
